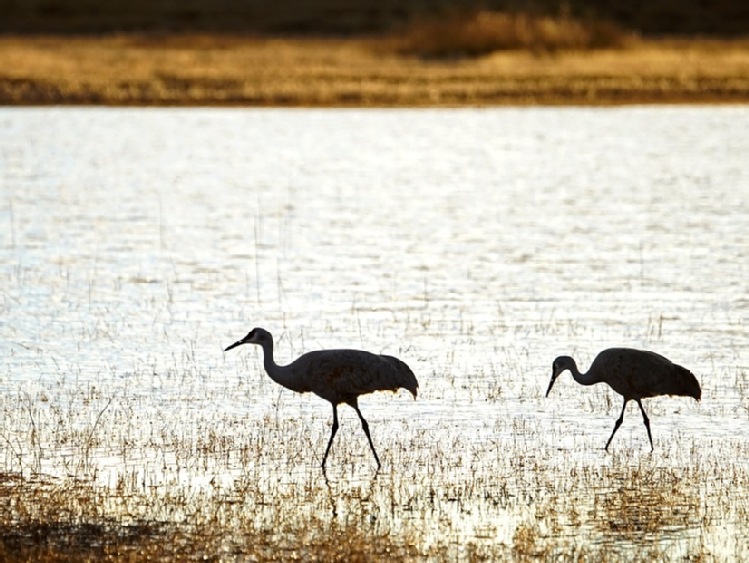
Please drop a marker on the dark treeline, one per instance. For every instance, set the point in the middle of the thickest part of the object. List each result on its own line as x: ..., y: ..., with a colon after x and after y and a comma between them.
x: 713, y: 18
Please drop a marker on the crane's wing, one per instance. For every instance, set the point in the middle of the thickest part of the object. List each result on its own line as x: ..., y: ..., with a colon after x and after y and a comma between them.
x: 660, y: 376
x: 342, y: 375
x: 642, y: 373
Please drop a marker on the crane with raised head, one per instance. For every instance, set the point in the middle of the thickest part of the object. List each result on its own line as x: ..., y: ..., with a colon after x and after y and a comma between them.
x: 635, y: 375
x: 338, y: 376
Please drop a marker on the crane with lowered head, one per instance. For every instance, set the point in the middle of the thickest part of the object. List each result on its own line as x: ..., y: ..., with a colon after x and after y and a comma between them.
x: 635, y: 375
x: 338, y: 376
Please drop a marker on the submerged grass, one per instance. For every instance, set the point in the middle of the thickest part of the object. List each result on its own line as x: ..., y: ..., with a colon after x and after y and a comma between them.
x: 593, y: 513
x: 184, y: 480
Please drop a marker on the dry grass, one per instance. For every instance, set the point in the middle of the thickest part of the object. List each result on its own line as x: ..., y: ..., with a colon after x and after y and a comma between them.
x: 53, y: 521
x: 483, y: 32
x: 515, y: 507
x: 90, y: 477
x: 211, y: 70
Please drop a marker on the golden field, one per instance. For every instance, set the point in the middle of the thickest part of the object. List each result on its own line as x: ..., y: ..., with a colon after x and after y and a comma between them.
x: 220, y: 70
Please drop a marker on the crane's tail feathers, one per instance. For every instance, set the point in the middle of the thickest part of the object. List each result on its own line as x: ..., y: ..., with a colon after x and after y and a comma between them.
x: 688, y: 386
x: 405, y: 378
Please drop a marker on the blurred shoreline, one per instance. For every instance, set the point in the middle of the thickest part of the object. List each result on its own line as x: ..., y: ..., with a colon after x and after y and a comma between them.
x: 202, y: 69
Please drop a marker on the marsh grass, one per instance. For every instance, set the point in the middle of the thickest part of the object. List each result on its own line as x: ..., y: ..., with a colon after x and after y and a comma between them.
x: 482, y: 32
x: 517, y: 508
x: 235, y: 70
x: 157, y: 480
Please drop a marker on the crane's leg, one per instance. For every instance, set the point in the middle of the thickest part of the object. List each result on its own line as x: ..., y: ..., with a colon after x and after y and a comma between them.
x: 617, y: 424
x: 646, y: 420
x: 332, y: 435
x: 365, y: 426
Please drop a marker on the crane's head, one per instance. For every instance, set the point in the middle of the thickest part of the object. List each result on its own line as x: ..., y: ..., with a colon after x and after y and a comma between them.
x: 561, y: 364
x: 258, y: 336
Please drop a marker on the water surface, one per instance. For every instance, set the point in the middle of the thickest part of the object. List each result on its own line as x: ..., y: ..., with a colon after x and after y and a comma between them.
x: 476, y: 245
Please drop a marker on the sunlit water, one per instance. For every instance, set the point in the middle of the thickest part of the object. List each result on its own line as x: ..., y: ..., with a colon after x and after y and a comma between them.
x: 477, y: 245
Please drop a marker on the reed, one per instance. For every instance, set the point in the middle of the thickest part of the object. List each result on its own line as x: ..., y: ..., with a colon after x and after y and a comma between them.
x: 483, y: 32
x: 238, y: 71
x: 123, y: 476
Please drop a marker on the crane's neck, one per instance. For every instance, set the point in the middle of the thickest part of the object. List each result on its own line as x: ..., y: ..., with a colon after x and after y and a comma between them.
x: 283, y: 375
x: 583, y: 378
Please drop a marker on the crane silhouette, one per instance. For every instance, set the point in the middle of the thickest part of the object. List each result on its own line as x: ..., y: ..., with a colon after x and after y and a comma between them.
x: 635, y: 375
x: 338, y: 376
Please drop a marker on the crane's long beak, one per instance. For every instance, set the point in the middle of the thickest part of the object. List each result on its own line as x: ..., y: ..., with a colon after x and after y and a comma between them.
x: 237, y: 343
x: 551, y: 384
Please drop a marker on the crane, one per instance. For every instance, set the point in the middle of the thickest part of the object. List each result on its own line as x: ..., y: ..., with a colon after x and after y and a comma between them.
x: 635, y: 375
x: 338, y: 376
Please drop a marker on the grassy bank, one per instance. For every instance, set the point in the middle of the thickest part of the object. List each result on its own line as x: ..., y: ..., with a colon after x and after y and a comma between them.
x: 211, y: 70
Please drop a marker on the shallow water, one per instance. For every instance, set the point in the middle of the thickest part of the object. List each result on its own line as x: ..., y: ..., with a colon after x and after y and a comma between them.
x: 476, y: 245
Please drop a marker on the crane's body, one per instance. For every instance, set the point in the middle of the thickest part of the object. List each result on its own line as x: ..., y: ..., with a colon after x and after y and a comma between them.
x: 338, y: 376
x: 635, y: 375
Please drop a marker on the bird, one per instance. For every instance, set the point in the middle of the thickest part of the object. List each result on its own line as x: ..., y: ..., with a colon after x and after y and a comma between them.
x: 635, y: 375
x: 338, y: 376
